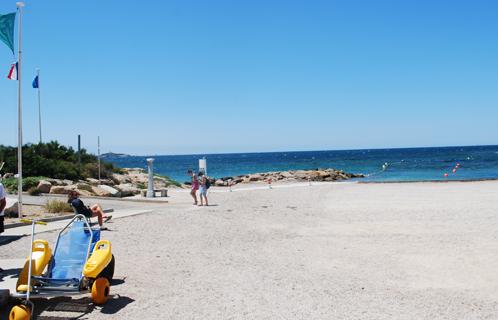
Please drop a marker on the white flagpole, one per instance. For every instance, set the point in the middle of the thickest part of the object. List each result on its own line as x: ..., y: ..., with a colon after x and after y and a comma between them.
x: 19, y: 5
x: 39, y: 104
x: 98, y: 148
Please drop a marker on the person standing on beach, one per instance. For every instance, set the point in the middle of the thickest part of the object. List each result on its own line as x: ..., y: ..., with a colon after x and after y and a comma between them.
x: 203, y: 181
x: 195, y: 185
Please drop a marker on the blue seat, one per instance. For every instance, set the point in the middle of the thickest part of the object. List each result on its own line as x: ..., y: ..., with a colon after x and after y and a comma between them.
x: 71, y: 252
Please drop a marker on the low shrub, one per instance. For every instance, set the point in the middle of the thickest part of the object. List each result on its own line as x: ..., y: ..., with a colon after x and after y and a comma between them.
x: 57, y: 206
x: 30, y: 182
x: 34, y: 191
x: 10, y: 185
x: 27, y: 183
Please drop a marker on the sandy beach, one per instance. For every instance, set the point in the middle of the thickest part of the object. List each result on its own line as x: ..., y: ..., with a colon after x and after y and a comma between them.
x: 327, y: 251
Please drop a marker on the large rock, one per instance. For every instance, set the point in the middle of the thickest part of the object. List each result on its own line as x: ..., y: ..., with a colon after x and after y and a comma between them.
x: 112, y: 191
x: 84, y: 186
x: 44, y: 186
x: 286, y: 174
x: 55, y: 182
x: 107, y: 182
x: 8, y: 175
x: 220, y: 183
x: 11, y: 208
x: 100, y: 191
x: 62, y: 189
x: 120, y: 178
x: 67, y: 189
x: 127, y: 189
x: 92, y: 181
x: 237, y: 180
x: 255, y: 177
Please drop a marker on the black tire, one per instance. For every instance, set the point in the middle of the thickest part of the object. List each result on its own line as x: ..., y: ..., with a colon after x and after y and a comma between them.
x: 108, y: 271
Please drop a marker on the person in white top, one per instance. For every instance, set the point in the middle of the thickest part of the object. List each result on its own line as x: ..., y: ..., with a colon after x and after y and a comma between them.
x: 3, y: 202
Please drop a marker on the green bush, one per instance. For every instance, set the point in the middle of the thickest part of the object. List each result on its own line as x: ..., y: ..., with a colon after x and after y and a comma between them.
x: 27, y: 183
x: 55, y: 161
x: 57, y: 206
x: 10, y: 185
x: 30, y: 182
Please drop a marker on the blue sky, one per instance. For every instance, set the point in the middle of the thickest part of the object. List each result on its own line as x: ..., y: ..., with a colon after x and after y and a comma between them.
x: 175, y: 77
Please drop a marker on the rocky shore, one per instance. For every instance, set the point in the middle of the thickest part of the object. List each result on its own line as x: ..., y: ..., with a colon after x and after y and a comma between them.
x: 132, y: 181
x: 321, y: 175
x: 128, y: 183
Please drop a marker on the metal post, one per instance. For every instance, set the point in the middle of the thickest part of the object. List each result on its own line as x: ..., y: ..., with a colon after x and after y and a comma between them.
x: 19, y: 5
x: 30, y: 258
x: 39, y: 104
x: 79, y: 153
x: 98, y: 151
x: 150, y: 186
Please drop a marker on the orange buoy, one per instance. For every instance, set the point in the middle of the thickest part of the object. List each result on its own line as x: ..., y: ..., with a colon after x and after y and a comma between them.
x: 454, y: 170
x: 446, y: 175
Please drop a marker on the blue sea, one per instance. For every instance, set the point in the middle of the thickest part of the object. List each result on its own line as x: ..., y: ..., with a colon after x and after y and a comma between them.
x: 380, y: 165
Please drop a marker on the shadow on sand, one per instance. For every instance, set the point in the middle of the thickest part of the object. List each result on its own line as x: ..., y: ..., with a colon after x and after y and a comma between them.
x: 9, y: 272
x: 80, y: 307
x: 8, y: 239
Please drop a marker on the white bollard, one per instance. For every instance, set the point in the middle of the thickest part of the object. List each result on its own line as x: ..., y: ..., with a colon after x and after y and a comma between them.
x: 150, y: 186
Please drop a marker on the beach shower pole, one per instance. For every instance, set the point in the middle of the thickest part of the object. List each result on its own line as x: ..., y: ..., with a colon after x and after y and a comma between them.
x: 19, y: 6
x: 203, y: 165
x: 150, y: 186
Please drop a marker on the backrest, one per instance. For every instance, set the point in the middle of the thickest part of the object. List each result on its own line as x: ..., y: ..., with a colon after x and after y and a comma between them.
x: 71, y: 252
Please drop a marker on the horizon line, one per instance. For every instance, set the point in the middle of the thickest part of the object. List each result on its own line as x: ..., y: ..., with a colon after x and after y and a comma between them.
x: 311, y: 150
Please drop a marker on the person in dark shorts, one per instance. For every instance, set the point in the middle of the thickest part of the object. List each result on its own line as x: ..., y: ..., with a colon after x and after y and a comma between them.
x: 79, y: 206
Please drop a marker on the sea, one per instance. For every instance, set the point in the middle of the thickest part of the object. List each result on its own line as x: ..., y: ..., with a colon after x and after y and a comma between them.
x: 379, y: 165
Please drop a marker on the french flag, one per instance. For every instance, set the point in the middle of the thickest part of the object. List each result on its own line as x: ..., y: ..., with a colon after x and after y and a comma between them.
x: 13, y: 72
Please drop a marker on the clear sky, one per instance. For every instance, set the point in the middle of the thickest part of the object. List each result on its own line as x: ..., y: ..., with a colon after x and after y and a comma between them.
x: 170, y: 77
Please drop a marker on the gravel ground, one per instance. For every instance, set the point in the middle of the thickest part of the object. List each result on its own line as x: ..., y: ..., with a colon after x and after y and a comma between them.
x: 332, y: 251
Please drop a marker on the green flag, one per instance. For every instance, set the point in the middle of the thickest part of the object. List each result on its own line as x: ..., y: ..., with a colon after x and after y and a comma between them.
x: 7, y: 29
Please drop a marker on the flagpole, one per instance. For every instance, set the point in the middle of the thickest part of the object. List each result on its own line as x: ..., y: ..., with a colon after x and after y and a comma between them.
x: 39, y: 104
x: 19, y: 5
x: 98, y: 148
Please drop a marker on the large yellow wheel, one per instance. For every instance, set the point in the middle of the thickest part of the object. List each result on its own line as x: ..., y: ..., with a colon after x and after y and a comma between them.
x: 100, y: 290
x: 20, y: 312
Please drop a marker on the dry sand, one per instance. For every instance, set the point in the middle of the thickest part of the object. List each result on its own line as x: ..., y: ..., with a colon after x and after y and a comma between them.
x: 329, y: 251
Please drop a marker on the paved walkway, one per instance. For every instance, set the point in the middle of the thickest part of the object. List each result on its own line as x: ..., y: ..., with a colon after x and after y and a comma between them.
x: 56, y: 225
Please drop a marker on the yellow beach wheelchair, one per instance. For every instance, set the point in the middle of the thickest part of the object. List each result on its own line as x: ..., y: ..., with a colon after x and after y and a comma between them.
x: 80, y: 262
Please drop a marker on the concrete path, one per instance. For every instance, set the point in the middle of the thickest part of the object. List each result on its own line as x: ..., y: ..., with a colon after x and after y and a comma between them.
x: 56, y: 225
